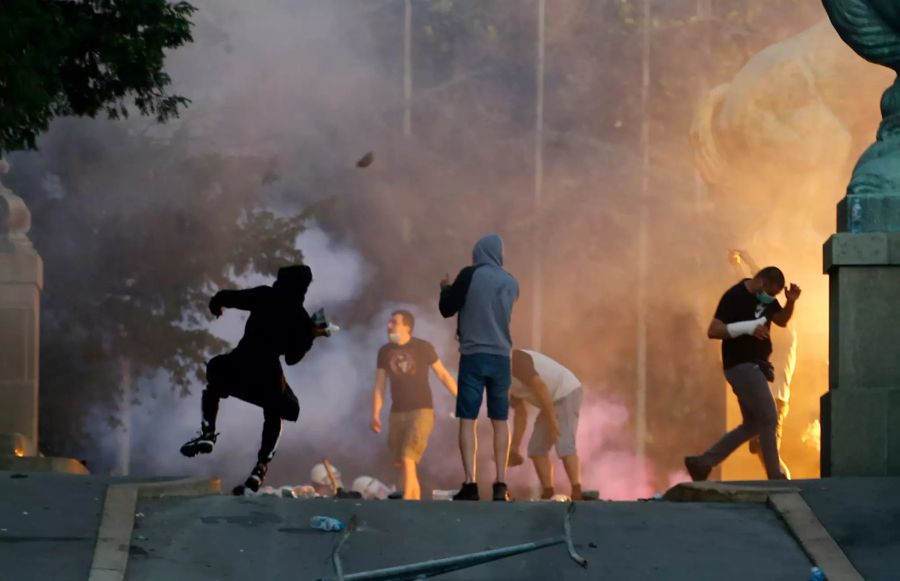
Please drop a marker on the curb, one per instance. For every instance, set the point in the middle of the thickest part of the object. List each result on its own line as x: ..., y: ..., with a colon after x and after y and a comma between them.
x: 114, y: 534
x: 788, y: 503
x: 723, y: 492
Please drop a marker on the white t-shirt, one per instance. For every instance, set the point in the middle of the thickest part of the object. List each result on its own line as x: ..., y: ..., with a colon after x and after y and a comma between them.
x: 526, y: 364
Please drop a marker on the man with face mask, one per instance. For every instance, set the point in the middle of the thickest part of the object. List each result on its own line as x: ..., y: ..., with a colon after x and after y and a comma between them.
x: 405, y: 361
x: 784, y: 362
x: 742, y: 322
x: 278, y: 326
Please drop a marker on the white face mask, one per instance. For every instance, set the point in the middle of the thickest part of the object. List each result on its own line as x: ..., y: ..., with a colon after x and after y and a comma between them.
x: 394, y: 337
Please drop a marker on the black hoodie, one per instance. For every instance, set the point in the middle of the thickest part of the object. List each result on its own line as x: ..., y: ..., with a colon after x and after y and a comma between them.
x: 278, y: 324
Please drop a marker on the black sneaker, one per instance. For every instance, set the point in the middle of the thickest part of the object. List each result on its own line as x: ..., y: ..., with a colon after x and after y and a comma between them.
x: 256, y: 478
x: 696, y: 468
x: 469, y: 491
x: 501, y: 493
x: 202, y: 444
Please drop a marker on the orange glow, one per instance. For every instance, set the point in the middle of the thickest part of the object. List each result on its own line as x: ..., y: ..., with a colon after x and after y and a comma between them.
x: 19, y: 452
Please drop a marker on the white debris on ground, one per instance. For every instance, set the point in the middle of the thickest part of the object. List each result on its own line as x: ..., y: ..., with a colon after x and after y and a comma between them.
x: 368, y: 486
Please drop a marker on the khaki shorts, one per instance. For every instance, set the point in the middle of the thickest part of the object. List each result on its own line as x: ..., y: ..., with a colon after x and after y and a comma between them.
x: 567, y: 411
x: 408, y: 434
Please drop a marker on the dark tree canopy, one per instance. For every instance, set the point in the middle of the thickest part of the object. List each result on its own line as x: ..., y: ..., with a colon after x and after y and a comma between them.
x: 62, y: 58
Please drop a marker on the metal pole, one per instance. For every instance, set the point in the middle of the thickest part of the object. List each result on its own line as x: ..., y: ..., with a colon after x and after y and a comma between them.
x: 407, y: 67
x: 124, y: 468
x: 643, y: 254
x: 537, y: 299
x: 704, y: 14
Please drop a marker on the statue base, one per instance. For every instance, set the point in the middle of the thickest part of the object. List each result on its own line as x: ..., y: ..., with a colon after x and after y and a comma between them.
x: 860, y: 414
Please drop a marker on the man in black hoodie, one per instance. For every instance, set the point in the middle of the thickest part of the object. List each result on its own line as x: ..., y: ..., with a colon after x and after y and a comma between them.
x: 278, y: 326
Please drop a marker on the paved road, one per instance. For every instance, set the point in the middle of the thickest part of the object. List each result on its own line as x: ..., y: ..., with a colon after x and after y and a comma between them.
x: 48, y: 525
x: 269, y: 538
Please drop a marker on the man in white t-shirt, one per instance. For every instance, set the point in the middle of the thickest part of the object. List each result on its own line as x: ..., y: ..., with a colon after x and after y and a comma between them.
x: 557, y: 393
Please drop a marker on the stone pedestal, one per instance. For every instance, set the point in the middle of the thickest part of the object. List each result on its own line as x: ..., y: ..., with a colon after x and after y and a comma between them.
x: 21, y: 279
x: 861, y: 412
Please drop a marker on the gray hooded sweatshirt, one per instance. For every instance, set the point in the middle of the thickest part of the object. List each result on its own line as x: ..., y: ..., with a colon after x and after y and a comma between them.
x: 486, y: 309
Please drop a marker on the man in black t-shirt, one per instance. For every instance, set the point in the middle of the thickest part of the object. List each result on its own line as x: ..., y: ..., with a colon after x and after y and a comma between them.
x: 742, y: 322
x: 405, y: 361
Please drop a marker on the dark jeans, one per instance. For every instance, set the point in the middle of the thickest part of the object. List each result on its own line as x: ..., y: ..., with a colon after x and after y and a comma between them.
x: 478, y: 372
x: 760, y: 418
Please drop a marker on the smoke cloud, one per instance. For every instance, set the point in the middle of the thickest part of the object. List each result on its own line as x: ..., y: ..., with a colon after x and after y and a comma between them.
x: 314, y: 85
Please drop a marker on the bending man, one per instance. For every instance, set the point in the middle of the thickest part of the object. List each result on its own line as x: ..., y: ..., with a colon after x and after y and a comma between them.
x: 557, y: 393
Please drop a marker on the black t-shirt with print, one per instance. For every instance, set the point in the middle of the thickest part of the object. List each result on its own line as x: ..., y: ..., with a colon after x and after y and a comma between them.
x: 407, y: 369
x: 739, y: 304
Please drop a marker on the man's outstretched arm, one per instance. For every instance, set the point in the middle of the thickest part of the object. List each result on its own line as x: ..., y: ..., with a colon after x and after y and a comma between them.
x: 444, y: 376
x: 378, y: 399
x: 520, y: 422
x: 245, y: 300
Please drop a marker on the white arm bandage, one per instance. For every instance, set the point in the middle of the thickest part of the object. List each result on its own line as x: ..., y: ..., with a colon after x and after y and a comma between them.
x: 744, y: 327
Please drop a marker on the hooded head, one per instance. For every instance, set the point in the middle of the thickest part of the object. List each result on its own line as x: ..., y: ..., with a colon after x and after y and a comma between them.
x: 488, y: 250
x: 294, y: 280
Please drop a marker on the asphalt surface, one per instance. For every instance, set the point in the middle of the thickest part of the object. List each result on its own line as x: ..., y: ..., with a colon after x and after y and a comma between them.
x: 270, y: 538
x: 48, y: 527
x: 863, y: 516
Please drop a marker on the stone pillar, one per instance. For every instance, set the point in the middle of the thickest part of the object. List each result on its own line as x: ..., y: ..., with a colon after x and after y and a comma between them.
x: 21, y: 279
x: 861, y: 411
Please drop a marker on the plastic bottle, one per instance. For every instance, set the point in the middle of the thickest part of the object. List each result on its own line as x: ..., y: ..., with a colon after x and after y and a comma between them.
x: 442, y: 494
x: 856, y: 216
x: 816, y: 574
x: 327, y: 524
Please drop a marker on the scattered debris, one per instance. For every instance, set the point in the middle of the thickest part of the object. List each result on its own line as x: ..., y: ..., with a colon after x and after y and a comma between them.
x: 436, y: 567
x: 327, y: 524
x: 593, y: 545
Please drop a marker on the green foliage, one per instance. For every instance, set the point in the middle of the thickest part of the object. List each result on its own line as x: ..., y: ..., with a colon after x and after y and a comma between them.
x: 64, y: 58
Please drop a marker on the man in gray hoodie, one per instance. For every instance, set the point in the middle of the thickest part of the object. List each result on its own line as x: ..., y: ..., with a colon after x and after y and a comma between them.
x: 483, y: 295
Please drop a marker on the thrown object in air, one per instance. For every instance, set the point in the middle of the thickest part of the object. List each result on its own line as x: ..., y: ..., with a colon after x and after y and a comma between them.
x: 366, y: 160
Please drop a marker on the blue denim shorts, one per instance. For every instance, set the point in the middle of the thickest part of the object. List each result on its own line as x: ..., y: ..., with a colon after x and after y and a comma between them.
x: 478, y: 372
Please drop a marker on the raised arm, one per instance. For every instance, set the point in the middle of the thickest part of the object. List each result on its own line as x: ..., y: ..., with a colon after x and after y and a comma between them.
x: 453, y: 296
x: 378, y: 399
x: 782, y: 317
x: 245, y: 300
x: 445, y: 377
